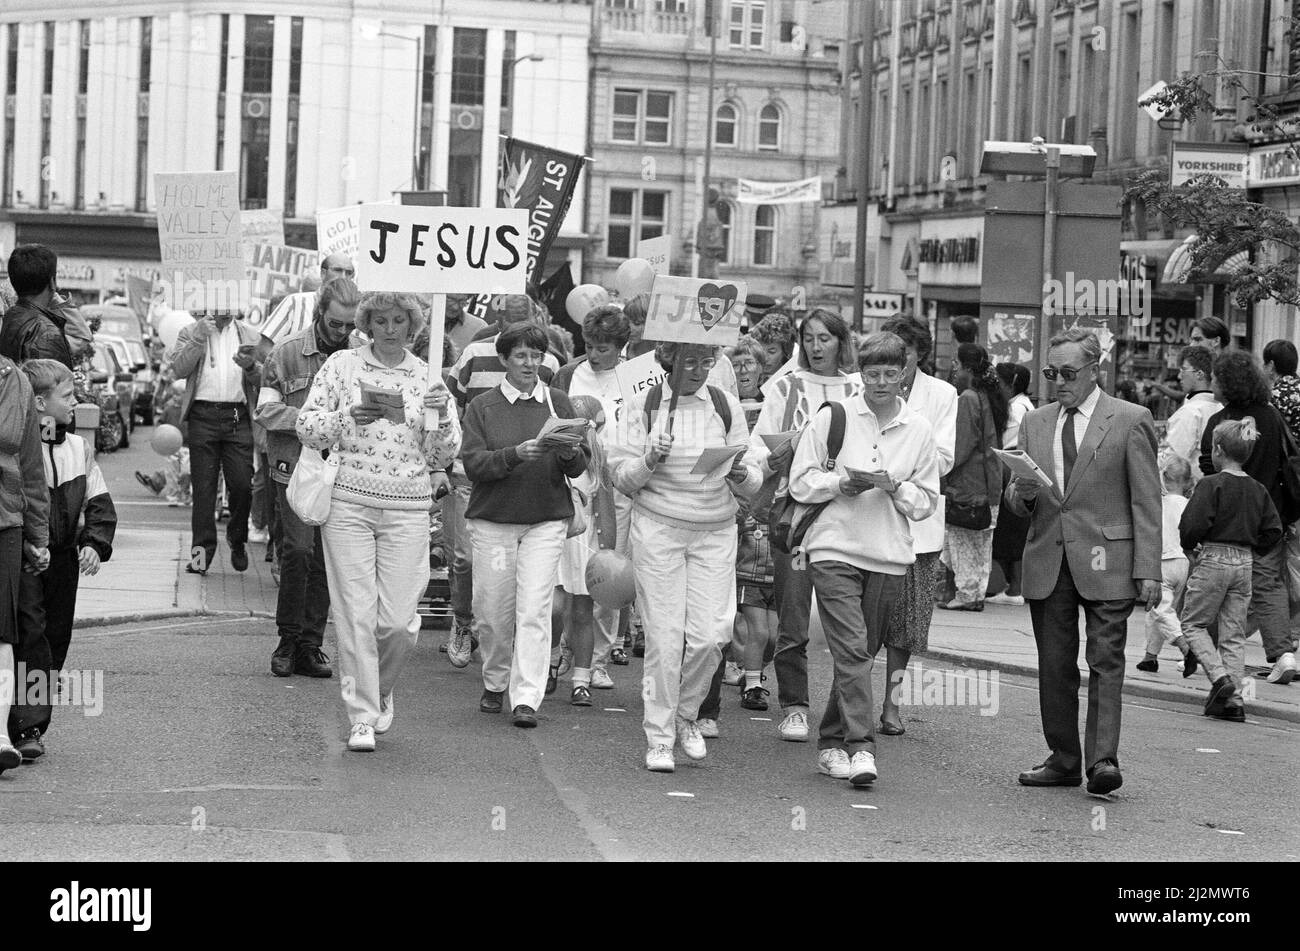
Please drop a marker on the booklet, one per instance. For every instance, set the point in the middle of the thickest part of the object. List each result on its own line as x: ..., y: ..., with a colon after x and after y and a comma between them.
x: 1021, y: 466
x: 877, y: 477
x: 390, y: 401
x: 716, y: 462
x: 562, y: 432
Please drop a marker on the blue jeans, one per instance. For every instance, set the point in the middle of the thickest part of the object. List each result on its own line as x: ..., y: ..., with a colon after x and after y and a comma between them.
x: 303, y: 604
x: 1219, y: 588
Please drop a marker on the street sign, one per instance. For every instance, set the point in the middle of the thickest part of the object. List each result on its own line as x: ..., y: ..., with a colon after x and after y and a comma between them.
x: 1225, y: 160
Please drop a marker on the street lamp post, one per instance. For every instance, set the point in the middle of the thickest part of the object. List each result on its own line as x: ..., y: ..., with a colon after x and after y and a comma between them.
x: 866, y: 77
x: 415, y: 133
x: 532, y: 58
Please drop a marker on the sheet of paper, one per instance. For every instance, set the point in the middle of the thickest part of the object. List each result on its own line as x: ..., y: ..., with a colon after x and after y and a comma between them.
x: 390, y: 401
x: 714, y: 461
x: 774, y: 441
x: 875, y: 478
x: 1021, y: 465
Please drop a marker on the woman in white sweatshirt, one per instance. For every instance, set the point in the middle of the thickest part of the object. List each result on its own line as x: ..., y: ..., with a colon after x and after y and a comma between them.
x: 885, y: 477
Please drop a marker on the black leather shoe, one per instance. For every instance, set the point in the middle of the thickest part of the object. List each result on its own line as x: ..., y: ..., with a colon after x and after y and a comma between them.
x: 1221, y: 692
x: 1189, y: 664
x: 1149, y: 666
x: 29, y: 744
x: 239, y: 557
x: 1045, y: 775
x: 282, y: 661
x: 491, y: 700
x: 552, y: 679
x: 524, y: 717
x: 1234, y: 710
x: 618, y: 656
x: 312, y: 662
x: 1104, y: 778
x: 754, y: 698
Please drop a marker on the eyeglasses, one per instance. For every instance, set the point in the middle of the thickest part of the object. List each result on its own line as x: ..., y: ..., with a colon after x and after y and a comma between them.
x: 744, y: 364
x: 1068, y: 374
x: 690, y: 363
x: 882, y: 376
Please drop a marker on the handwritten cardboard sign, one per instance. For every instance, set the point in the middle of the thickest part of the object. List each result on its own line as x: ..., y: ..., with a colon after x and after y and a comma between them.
x: 338, y: 231
x: 426, y: 249
x: 199, y: 240
x: 262, y: 225
x: 658, y: 251
x: 687, y: 310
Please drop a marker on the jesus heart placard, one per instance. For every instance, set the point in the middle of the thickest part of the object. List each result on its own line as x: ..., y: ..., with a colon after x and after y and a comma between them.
x: 688, y: 310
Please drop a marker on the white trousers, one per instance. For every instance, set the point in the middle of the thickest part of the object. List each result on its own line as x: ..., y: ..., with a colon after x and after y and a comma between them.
x: 514, y: 585
x: 377, y: 563
x: 606, y: 621
x: 686, y: 593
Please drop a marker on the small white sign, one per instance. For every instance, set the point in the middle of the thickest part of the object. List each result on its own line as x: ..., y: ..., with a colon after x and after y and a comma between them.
x: 338, y: 231
x: 658, y: 251
x: 1228, y: 162
x: 638, y: 375
x: 1154, y: 111
x: 425, y: 249
x: 688, y: 310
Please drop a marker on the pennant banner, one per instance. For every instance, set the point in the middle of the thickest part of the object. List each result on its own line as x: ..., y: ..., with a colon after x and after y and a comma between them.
x: 541, y: 180
x: 778, y: 193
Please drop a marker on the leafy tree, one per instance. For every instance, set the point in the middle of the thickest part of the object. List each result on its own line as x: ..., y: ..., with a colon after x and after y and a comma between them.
x: 1226, y: 222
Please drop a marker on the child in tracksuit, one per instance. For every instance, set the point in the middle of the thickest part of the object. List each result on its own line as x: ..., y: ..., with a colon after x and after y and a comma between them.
x: 1228, y: 515
x: 82, y: 524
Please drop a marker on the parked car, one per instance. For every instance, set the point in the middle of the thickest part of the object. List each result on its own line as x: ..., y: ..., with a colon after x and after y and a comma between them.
x: 112, y: 386
x: 134, y: 360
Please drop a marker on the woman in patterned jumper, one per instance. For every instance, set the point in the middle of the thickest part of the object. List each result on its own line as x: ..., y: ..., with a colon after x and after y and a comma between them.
x: 377, y: 536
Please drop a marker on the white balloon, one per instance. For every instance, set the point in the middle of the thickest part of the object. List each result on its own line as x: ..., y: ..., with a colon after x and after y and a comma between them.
x: 170, y: 327
x: 634, y: 276
x: 583, y: 298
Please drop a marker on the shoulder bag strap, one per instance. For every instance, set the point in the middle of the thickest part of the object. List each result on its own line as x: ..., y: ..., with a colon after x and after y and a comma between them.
x: 791, y: 401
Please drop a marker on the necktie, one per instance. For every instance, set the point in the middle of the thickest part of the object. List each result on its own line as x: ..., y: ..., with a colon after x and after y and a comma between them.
x: 1069, y: 449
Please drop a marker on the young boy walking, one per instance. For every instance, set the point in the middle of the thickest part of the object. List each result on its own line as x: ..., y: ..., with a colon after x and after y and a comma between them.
x: 82, y: 524
x: 1229, y: 516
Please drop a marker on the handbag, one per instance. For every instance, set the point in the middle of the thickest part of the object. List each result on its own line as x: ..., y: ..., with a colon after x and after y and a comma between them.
x: 789, y: 520
x: 975, y: 516
x: 312, y: 484
x: 577, y: 522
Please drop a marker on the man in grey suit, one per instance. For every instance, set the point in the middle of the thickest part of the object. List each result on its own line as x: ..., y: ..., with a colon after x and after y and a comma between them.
x: 1094, y: 543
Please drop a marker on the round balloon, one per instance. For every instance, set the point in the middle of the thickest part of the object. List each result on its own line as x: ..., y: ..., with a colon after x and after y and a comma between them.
x: 166, y: 440
x: 583, y: 298
x: 634, y: 276
x: 170, y: 327
x: 610, y: 581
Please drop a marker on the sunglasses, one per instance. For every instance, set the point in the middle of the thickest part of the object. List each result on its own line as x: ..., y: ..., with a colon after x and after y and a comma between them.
x: 882, y: 376
x: 1068, y: 374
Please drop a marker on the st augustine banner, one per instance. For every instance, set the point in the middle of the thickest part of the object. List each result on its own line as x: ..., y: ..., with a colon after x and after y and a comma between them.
x: 542, y: 180
x: 778, y: 193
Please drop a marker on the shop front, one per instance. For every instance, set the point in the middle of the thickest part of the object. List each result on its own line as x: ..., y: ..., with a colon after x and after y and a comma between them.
x: 948, y: 266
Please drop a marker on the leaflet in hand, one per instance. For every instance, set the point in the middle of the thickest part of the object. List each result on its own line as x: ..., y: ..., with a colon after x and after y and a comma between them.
x: 1021, y: 466
x: 774, y: 441
x: 877, y: 477
x: 715, y: 462
x: 391, y: 402
x: 560, y: 433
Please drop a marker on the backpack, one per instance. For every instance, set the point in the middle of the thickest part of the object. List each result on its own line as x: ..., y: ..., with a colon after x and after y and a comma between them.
x: 655, y: 397
x: 789, y: 520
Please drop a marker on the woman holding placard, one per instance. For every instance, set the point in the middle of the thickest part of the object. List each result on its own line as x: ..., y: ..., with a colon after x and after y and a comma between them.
x: 368, y: 408
x: 522, y: 445
x: 826, y: 372
x: 680, y: 458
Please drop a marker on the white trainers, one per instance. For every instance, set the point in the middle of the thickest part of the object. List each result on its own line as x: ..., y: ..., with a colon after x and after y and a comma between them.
x: 833, y: 763
x: 659, y: 759
x: 1284, y: 670
x: 460, y: 646
x: 1015, y: 600
x: 385, y: 714
x: 362, y: 738
x: 795, y: 727
x: 692, y: 742
x: 600, y: 679
x: 734, y: 675
x: 862, y: 769
x: 708, y: 728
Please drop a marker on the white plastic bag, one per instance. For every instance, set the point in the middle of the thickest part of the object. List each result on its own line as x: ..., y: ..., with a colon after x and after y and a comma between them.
x: 311, y: 486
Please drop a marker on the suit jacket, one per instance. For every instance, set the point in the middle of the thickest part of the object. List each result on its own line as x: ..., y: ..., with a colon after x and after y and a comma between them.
x: 1106, y: 520
x: 188, y: 360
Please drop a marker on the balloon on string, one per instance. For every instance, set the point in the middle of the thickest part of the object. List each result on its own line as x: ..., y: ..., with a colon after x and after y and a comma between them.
x: 583, y: 298
x: 170, y: 327
x: 166, y: 440
x: 634, y: 276
x: 610, y: 581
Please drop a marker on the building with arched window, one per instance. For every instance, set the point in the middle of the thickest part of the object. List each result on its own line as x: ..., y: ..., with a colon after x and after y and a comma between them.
x: 775, y: 118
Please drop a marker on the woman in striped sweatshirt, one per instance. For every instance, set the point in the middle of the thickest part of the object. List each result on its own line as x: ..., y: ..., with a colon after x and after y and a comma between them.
x: 683, y: 540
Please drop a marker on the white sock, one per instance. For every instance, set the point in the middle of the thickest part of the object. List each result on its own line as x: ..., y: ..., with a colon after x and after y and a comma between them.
x: 582, y: 676
x: 753, y: 678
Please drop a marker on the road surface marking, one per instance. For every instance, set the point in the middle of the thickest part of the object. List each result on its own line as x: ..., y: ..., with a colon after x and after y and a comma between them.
x: 681, y: 795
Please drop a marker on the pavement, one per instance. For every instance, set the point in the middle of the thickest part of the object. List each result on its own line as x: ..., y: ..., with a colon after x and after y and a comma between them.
x: 146, y: 580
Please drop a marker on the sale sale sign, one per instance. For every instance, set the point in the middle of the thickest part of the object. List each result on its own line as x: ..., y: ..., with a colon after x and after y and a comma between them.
x: 688, y: 310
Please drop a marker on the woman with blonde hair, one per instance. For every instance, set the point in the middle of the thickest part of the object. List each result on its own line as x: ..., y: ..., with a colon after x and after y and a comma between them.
x: 376, y: 538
